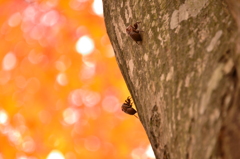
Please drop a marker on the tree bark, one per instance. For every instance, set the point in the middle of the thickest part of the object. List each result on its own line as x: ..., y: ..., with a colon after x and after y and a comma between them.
x: 184, y: 77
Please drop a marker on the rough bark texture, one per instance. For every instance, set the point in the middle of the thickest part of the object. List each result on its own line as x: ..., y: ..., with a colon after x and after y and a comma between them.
x: 184, y: 77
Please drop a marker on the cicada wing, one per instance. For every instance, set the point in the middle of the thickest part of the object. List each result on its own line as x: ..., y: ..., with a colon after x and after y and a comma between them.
x: 136, y: 36
x: 130, y: 111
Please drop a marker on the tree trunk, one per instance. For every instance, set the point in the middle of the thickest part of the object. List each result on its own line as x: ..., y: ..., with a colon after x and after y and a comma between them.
x: 184, y: 76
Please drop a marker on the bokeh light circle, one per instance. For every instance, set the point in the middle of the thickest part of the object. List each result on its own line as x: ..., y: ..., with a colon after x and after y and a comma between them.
x: 98, y: 7
x: 9, y: 61
x: 85, y: 45
x: 55, y: 154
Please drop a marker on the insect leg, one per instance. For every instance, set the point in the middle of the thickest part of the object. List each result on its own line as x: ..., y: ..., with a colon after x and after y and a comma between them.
x: 136, y: 25
x: 136, y: 116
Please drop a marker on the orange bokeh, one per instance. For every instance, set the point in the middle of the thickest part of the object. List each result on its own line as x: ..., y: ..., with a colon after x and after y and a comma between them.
x: 61, y: 89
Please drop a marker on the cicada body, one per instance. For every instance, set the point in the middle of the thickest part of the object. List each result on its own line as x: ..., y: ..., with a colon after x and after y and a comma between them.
x: 134, y: 33
x: 127, y: 107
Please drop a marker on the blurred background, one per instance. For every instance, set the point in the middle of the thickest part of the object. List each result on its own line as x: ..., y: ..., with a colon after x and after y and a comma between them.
x: 61, y: 90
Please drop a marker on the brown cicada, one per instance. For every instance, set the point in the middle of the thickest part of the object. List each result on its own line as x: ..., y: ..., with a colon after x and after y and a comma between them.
x: 134, y: 32
x: 127, y: 107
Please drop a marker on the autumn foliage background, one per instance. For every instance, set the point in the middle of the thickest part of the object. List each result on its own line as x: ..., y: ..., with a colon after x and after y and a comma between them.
x: 61, y: 89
